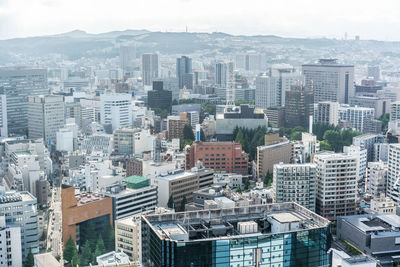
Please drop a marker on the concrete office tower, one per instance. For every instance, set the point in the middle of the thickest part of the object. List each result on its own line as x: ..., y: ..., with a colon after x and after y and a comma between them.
x: 376, y: 178
x: 374, y: 72
x: 299, y: 107
x: 327, y: 113
x: 395, y: 111
x: 10, y: 244
x: 224, y: 74
x: 127, y: 56
x: 170, y: 84
x: 289, y: 235
x: 45, y: 117
x: 183, y: 66
x: 336, y: 184
x: 276, y: 151
x: 22, y: 207
x: 150, y: 68
x: 3, y: 115
x: 368, y: 141
x: 17, y: 85
x: 295, y: 182
x: 330, y: 81
x: 357, y: 116
x: 176, y: 125
x: 271, y: 87
x: 116, y: 110
x: 393, y: 174
x: 361, y: 156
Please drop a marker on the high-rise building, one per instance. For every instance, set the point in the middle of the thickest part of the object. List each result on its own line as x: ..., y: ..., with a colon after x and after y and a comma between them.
x: 10, y: 244
x: 395, y: 111
x: 336, y: 184
x: 359, y: 117
x: 299, y: 106
x: 116, y: 110
x: 20, y: 209
x: 271, y: 87
x: 327, y: 113
x: 393, y: 174
x: 330, y: 81
x: 45, y: 117
x: 17, y: 85
x: 220, y: 156
x: 279, y: 234
x: 376, y: 178
x: 183, y: 66
x: 368, y: 141
x: 295, y: 182
x: 127, y: 56
x: 3, y: 114
x: 158, y: 98
x: 149, y: 68
x: 276, y: 151
x: 361, y: 156
x: 223, y: 73
x: 176, y: 125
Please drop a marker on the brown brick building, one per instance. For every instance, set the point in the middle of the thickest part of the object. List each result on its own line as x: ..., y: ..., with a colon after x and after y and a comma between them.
x: 219, y: 156
x: 176, y: 125
x: 80, y: 209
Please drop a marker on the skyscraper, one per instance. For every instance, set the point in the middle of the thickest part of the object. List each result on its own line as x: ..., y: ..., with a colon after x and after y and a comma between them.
x: 127, y: 56
x: 45, y: 117
x: 17, y: 85
x: 149, y: 68
x: 183, y: 66
x: 330, y: 81
x: 3, y: 114
x: 159, y: 98
x: 336, y: 184
x: 295, y: 182
x: 299, y: 106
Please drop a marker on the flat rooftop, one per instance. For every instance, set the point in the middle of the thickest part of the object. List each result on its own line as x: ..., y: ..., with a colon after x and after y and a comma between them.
x: 374, y: 222
x: 224, y: 223
x: 85, y: 198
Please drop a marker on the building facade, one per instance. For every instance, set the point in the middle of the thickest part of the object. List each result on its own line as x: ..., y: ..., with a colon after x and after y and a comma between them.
x: 150, y: 68
x: 116, y: 110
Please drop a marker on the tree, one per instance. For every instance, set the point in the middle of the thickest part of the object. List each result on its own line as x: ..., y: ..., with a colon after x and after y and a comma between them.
x: 75, y: 259
x: 183, y: 203
x: 385, y: 121
x: 295, y: 136
x: 247, y: 184
x: 202, y: 135
x: 108, y: 238
x: 29, y: 260
x: 209, y: 108
x: 69, y: 250
x: 170, y: 203
x: 100, y: 249
x: 240, y: 138
x: 268, y: 179
x: 86, y: 254
x: 334, y: 138
x: 324, y: 145
x: 239, y: 190
x: 188, y: 133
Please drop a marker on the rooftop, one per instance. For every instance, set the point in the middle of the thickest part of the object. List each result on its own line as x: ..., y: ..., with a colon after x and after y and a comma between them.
x: 374, y: 222
x: 136, y: 182
x: 181, y: 173
x: 225, y: 223
x: 85, y: 198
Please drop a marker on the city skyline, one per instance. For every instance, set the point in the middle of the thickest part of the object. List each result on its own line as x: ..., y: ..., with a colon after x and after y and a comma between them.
x: 366, y: 19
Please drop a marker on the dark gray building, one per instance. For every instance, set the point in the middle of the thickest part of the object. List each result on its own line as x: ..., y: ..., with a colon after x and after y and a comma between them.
x: 377, y: 235
x: 183, y: 66
x: 159, y: 98
x: 18, y: 84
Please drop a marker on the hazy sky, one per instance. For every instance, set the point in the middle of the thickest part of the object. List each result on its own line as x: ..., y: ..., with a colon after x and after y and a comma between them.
x: 371, y: 19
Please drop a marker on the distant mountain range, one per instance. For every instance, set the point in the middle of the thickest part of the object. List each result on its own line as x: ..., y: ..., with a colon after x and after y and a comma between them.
x: 77, y: 44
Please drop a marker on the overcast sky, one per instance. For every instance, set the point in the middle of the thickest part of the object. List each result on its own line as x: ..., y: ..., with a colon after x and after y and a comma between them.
x: 371, y: 19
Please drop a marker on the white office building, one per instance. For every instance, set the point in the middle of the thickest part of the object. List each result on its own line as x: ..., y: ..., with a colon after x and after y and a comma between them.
x: 326, y: 113
x: 116, y: 110
x: 393, y: 173
x: 336, y: 184
x: 376, y: 178
x: 357, y: 116
x: 330, y: 81
x: 361, y: 155
x: 295, y: 182
x: 10, y: 244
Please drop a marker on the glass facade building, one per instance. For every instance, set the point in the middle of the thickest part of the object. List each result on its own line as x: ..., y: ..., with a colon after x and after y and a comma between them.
x: 301, y: 247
